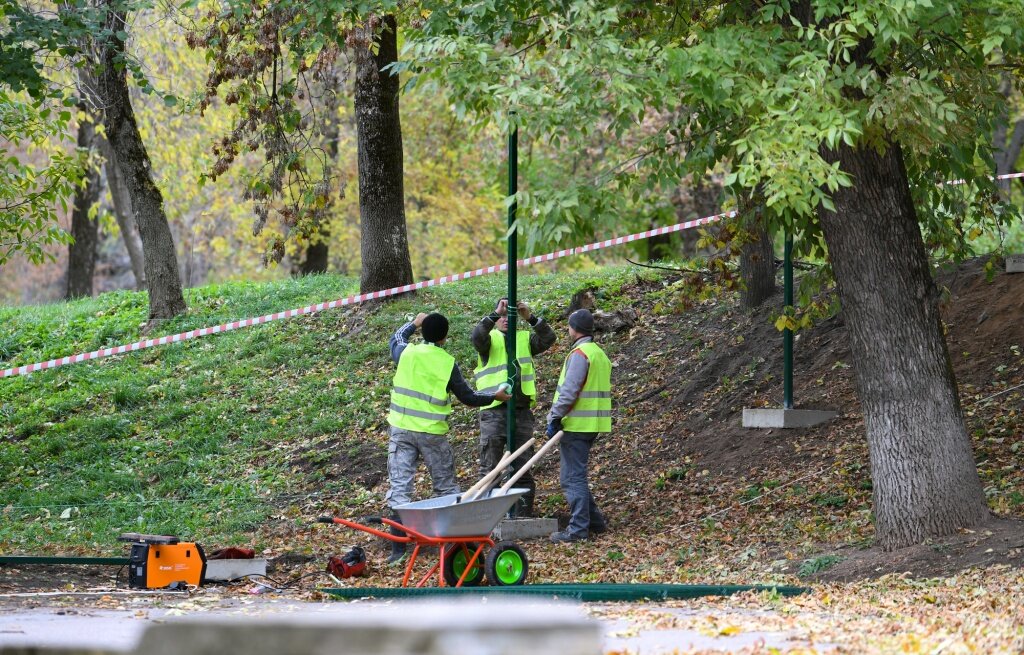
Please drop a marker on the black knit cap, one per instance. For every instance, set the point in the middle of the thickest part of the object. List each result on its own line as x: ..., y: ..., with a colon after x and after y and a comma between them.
x: 434, y: 327
x: 582, y: 321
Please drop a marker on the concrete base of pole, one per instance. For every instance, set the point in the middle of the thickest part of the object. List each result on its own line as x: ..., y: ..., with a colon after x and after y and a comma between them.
x: 785, y: 418
x: 519, y: 529
x: 434, y: 627
x: 1015, y: 263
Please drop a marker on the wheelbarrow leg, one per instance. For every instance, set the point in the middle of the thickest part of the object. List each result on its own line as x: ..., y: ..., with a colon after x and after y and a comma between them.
x: 469, y: 564
x: 411, y: 563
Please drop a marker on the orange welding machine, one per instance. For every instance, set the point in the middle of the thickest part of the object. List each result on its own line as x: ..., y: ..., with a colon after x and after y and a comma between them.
x: 161, y: 561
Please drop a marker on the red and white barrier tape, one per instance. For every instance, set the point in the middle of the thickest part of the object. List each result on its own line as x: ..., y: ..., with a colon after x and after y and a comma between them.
x: 358, y: 298
x: 1008, y: 176
x: 351, y: 300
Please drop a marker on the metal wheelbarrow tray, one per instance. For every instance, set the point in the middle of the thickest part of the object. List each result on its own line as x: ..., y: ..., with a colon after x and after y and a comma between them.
x: 445, y: 517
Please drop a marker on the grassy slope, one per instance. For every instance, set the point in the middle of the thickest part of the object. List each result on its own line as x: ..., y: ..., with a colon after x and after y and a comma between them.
x: 213, y: 436
x: 244, y: 437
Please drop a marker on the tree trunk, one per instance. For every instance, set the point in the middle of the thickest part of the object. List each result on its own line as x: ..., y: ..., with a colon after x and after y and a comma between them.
x: 1008, y: 152
x: 315, y: 261
x: 1006, y: 143
x: 162, y: 275
x: 757, y: 256
x: 122, y: 201
x: 925, y: 480
x: 84, y: 228
x: 757, y: 269
x: 316, y: 258
x: 384, y: 238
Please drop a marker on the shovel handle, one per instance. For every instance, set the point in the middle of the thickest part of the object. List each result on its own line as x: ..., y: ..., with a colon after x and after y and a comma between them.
x: 533, y: 460
x: 486, y: 481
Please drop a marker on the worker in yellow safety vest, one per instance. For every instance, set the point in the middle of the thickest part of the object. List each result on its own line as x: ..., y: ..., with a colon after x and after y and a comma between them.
x: 582, y: 408
x: 489, y: 337
x: 420, y: 405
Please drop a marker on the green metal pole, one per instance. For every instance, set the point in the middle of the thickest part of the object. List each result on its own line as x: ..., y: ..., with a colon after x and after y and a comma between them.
x: 787, y: 334
x: 510, y: 335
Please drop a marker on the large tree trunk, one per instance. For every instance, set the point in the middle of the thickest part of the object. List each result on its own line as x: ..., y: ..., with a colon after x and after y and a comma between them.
x: 84, y: 228
x: 925, y: 480
x: 122, y: 201
x: 162, y: 275
x: 384, y: 238
x: 757, y: 256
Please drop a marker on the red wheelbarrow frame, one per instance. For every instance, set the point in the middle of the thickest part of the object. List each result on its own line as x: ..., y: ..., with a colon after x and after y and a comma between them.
x: 444, y: 545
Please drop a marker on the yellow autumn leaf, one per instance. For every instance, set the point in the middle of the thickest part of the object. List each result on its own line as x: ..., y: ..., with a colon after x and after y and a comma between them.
x: 729, y: 630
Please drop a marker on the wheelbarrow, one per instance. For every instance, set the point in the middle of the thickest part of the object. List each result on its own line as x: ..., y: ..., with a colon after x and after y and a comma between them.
x: 459, y: 525
x: 460, y: 529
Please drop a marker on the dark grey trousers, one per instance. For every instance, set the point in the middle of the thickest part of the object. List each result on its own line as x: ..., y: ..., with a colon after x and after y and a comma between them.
x: 575, y: 455
x: 405, y: 448
x: 493, y: 439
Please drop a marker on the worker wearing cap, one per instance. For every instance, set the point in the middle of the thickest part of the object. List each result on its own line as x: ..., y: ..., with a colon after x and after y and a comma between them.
x: 488, y: 339
x: 418, y: 417
x: 582, y: 408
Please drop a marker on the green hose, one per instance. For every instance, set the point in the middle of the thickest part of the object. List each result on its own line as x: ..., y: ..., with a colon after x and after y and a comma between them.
x: 584, y: 592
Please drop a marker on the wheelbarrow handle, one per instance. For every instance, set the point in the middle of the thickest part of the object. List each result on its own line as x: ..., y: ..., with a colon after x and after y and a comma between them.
x: 372, y: 520
x: 356, y: 525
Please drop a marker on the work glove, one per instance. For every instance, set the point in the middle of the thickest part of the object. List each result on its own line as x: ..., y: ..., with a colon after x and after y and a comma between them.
x: 554, y: 427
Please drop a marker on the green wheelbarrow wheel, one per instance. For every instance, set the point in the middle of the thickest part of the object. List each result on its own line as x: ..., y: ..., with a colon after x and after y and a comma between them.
x: 507, y: 565
x: 455, y: 560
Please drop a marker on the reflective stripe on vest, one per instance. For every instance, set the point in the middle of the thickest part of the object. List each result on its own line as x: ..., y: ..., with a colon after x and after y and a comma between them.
x: 489, y: 379
x: 419, y: 393
x: 592, y: 411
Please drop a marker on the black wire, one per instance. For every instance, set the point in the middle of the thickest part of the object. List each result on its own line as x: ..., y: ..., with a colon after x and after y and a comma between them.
x: 277, y: 586
x: 664, y: 268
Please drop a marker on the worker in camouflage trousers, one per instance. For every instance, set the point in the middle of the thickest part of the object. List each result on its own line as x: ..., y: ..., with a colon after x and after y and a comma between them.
x: 582, y: 408
x: 488, y: 338
x: 419, y: 411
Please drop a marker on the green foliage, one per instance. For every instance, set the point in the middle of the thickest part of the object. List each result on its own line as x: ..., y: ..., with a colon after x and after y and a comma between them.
x: 43, y: 52
x: 817, y: 565
x: 34, y: 176
x: 763, y: 94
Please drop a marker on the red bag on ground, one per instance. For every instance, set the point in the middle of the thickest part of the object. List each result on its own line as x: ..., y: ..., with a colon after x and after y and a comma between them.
x: 352, y: 563
x: 232, y: 552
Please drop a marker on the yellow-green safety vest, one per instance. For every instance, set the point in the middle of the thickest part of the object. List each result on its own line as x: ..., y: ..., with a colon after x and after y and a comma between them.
x: 489, y: 379
x: 592, y: 411
x: 419, y: 393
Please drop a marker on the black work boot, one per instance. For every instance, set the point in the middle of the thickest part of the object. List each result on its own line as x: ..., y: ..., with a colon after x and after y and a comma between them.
x: 397, y: 547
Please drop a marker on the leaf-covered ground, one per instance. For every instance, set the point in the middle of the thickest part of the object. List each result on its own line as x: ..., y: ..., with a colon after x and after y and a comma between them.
x: 244, y: 438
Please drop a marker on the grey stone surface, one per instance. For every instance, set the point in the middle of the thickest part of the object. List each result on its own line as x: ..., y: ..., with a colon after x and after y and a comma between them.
x: 519, y: 529
x: 785, y: 418
x: 234, y: 569
x: 495, y: 627
x: 1015, y: 263
x: 627, y: 628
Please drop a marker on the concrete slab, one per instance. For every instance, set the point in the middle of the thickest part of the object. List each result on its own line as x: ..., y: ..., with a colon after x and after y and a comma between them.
x: 505, y: 627
x: 1015, y: 263
x: 520, y: 529
x: 785, y: 418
